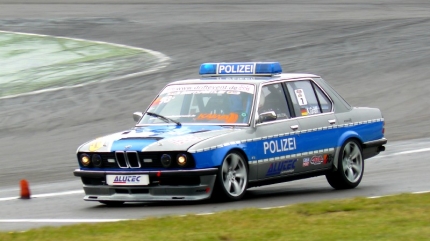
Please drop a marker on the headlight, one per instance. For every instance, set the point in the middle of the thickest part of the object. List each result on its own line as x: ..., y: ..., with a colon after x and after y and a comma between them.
x: 181, y: 159
x: 85, y: 160
x: 97, y: 160
x: 166, y: 160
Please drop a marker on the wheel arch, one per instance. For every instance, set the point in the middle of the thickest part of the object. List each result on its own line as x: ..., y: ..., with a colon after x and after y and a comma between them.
x: 347, y: 136
x: 242, y: 152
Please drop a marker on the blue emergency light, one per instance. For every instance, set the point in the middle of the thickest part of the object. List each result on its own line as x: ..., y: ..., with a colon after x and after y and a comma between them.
x: 246, y: 68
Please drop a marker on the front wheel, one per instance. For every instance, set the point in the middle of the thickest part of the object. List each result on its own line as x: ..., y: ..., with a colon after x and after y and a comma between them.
x: 350, y: 167
x: 232, y: 178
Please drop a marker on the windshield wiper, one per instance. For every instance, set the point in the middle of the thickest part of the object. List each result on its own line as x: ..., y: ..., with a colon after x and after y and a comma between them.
x: 165, y: 119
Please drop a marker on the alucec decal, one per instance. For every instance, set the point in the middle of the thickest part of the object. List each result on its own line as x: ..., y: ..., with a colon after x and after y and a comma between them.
x: 127, y: 180
x: 281, y: 167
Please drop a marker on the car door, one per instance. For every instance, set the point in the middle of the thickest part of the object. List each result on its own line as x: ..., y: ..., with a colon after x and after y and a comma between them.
x: 314, y: 112
x: 276, y: 138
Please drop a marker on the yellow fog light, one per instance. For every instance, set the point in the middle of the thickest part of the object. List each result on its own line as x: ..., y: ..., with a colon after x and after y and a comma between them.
x: 182, y: 159
x: 85, y: 160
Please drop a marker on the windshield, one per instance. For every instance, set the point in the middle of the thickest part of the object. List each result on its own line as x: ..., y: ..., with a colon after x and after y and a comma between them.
x: 202, y: 103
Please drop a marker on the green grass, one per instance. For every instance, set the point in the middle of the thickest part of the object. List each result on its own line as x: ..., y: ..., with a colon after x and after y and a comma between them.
x: 401, y: 217
x: 32, y: 63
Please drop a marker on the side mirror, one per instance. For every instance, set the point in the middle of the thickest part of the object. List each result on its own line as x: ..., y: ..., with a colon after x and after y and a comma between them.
x: 267, y: 116
x: 137, y: 116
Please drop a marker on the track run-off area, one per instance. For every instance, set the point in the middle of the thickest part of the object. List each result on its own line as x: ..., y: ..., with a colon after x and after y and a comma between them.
x: 374, y: 54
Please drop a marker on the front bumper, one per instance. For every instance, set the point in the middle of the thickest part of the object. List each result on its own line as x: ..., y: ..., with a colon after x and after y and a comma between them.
x: 169, y: 185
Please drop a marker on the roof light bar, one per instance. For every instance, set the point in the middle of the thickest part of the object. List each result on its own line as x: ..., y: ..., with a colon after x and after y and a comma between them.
x: 245, y: 68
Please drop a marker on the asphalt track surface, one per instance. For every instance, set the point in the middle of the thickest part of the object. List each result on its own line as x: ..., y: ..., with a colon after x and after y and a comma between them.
x: 374, y: 54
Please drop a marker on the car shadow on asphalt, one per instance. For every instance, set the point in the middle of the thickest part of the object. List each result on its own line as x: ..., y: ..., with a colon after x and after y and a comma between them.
x: 253, y: 195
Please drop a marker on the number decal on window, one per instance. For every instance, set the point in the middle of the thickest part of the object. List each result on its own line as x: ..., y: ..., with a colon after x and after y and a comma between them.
x: 301, y: 98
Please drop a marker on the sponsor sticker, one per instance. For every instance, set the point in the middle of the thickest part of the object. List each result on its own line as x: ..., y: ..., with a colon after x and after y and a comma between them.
x: 313, y: 110
x: 326, y: 158
x: 194, y: 88
x: 127, y: 180
x: 96, y: 144
x: 317, y: 160
x: 281, y: 167
x: 184, y: 139
x: 230, y: 118
x: 306, y: 161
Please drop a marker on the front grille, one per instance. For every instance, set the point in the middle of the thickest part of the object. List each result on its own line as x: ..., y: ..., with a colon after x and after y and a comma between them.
x: 127, y: 159
x: 120, y: 159
x: 133, y: 159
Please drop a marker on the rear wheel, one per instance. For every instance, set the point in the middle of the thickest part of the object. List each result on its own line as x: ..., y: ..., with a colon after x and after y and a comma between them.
x: 232, y: 178
x: 350, y: 167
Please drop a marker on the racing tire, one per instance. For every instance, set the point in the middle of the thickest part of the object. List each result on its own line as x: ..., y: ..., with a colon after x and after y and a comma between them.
x: 112, y: 203
x: 350, y: 167
x: 232, y: 178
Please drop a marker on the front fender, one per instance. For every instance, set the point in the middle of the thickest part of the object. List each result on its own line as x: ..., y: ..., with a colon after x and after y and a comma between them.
x: 213, y: 156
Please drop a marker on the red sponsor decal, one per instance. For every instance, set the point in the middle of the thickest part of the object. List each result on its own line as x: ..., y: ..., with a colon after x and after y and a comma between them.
x: 156, y: 102
x: 317, y: 160
x: 230, y: 118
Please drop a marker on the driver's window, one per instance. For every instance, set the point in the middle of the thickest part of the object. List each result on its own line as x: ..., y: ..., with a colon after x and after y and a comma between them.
x: 272, y: 98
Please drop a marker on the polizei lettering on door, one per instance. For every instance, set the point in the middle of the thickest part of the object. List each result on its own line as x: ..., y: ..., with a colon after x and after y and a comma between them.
x: 280, y: 145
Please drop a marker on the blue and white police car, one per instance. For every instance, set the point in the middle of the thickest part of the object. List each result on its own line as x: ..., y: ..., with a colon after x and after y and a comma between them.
x: 240, y: 125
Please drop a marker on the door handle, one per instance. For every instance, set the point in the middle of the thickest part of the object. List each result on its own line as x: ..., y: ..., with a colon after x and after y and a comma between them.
x: 333, y: 121
x: 294, y: 127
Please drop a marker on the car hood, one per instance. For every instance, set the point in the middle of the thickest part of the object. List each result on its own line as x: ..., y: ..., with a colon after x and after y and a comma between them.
x: 154, y: 138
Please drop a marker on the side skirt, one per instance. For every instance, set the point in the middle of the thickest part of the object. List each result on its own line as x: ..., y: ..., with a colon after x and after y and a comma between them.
x: 265, y: 182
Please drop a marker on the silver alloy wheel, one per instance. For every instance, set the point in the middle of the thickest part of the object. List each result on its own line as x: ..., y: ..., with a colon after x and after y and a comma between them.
x: 234, y: 175
x: 352, y: 162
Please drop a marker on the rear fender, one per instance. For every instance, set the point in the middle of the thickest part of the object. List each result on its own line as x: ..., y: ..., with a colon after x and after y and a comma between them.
x: 342, y: 139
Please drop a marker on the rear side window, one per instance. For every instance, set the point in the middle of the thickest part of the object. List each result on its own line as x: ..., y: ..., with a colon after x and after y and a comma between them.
x: 308, y: 98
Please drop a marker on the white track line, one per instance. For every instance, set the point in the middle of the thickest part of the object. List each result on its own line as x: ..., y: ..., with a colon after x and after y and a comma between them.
x: 162, y: 62
x: 203, y: 214
x: 422, y: 192
x: 403, y: 153
x: 47, y: 195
